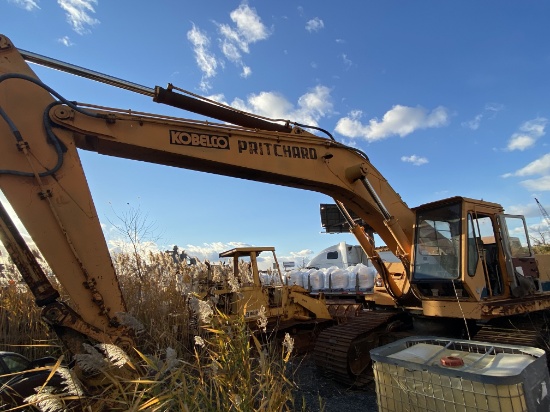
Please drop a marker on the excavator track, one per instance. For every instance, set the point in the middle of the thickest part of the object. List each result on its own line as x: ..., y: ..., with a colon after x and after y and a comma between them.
x: 532, y: 330
x: 508, y: 336
x: 305, y: 333
x: 342, y: 351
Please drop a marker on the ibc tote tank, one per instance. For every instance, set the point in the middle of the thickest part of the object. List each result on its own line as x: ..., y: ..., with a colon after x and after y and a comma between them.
x: 439, y: 374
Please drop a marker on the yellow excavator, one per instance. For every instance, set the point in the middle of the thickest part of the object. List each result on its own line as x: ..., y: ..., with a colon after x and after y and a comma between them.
x: 467, y: 267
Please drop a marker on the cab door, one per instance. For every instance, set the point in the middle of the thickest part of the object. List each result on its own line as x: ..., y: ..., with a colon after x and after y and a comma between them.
x: 520, y: 259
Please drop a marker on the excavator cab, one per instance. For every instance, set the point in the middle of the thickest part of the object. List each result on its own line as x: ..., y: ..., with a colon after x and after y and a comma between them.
x: 469, y: 250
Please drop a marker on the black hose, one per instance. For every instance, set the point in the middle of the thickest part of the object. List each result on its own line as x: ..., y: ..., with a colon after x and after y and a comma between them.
x: 52, y: 138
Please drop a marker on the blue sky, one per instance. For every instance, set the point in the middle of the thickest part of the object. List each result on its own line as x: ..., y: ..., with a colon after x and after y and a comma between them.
x: 446, y: 98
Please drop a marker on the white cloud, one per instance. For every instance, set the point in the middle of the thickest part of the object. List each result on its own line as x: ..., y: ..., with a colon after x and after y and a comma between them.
x: 315, y: 24
x: 268, y: 104
x: 315, y: 105
x: 490, y: 111
x: 78, y: 14
x: 211, y: 251
x: 311, y: 106
x: 347, y: 62
x: 542, y: 184
x: 65, y: 41
x: 520, y: 142
x: 414, y: 159
x: 536, y: 167
x: 529, y: 210
x: 537, y: 229
x: 541, y: 166
x: 28, y: 5
x: 350, y: 143
x: 231, y: 51
x: 206, y: 252
x: 249, y: 24
x: 493, y: 109
x: 302, y: 253
x: 247, y: 71
x: 233, y: 42
x: 120, y: 245
x: 474, y: 123
x: 236, y: 40
x: 205, y: 60
x: 300, y: 258
x: 529, y: 132
x: 220, y: 97
x: 400, y: 120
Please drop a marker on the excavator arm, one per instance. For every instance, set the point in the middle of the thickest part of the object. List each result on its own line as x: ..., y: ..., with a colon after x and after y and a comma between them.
x: 42, y: 177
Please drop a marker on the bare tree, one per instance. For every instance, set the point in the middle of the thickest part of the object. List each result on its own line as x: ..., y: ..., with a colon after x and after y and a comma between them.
x: 138, y: 232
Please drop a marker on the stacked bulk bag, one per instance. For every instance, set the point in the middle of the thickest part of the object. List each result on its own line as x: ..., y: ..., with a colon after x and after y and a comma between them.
x: 295, y: 277
x: 365, y: 276
x: 361, y: 277
x: 339, y: 279
x: 316, y: 280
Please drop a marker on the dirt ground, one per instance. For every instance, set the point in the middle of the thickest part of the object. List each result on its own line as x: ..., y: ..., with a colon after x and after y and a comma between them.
x: 321, y: 393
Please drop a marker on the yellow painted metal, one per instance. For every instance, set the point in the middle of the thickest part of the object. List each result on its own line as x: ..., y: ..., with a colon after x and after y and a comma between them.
x: 57, y: 210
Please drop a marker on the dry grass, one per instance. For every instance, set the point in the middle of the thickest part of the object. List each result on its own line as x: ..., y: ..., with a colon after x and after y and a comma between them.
x: 226, y: 373
x: 21, y: 329
x: 158, y: 296
x: 186, y: 368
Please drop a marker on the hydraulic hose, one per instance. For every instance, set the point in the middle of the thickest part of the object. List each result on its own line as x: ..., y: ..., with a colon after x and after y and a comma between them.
x: 52, y: 138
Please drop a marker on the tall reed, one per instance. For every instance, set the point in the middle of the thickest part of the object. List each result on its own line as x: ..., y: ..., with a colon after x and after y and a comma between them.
x: 221, y: 367
x: 21, y: 327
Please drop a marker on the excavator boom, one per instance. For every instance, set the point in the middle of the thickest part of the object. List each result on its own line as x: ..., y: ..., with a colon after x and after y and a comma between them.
x: 220, y: 112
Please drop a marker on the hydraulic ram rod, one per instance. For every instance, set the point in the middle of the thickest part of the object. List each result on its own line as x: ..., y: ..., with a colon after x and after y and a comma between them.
x: 86, y: 73
x: 160, y: 95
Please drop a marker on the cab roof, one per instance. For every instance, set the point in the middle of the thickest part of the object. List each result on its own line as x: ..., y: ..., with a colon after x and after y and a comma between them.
x: 474, y: 202
x: 246, y: 251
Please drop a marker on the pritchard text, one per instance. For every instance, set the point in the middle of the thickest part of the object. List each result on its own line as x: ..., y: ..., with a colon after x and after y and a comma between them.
x: 275, y: 149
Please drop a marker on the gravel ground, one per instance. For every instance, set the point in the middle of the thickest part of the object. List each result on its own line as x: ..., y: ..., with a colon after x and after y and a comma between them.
x: 321, y: 393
